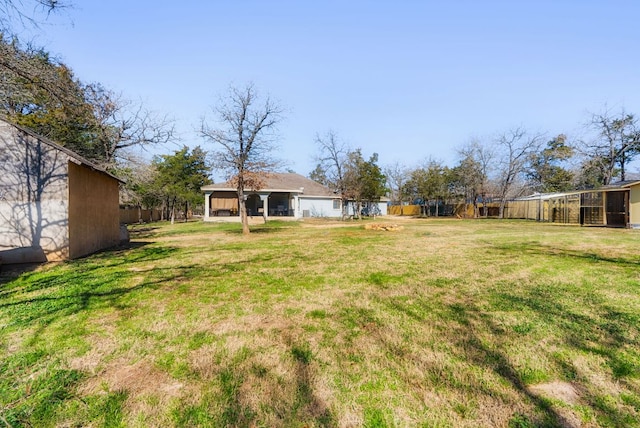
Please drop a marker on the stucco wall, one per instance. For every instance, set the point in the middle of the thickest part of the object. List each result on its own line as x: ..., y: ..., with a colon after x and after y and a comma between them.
x: 318, y: 208
x: 33, y: 199
x: 634, y: 206
x: 324, y: 208
x: 94, y: 217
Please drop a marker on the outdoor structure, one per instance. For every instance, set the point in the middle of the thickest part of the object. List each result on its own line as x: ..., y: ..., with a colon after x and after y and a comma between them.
x: 284, y: 195
x: 54, y: 204
x: 615, y: 205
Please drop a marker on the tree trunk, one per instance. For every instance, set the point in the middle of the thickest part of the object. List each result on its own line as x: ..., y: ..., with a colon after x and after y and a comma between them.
x: 476, y: 213
x: 345, y: 208
x: 186, y: 211
x: 484, y: 205
x: 503, y: 203
x: 623, y: 161
x: 173, y: 211
x: 243, y: 211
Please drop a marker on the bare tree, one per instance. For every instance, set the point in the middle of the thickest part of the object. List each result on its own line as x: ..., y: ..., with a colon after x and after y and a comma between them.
x: 28, y: 13
x: 514, y: 149
x: 245, y: 137
x: 121, y: 124
x: 332, y: 160
x: 397, y: 176
x: 616, y: 143
x: 474, y: 170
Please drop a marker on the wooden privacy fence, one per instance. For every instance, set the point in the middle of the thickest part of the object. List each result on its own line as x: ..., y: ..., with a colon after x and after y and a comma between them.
x: 456, y: 210
x: 137, y: 215
x: 403, y: 210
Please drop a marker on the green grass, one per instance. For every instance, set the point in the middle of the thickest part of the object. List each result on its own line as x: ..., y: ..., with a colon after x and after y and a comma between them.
x: 443, y: 323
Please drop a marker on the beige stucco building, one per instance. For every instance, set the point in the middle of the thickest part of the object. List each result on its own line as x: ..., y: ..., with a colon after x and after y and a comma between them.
x: 634, y: 205
x: 614, y: 205
x: 54, y: 204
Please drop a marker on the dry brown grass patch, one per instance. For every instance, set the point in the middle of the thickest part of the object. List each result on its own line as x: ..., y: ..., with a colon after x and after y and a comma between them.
x: 141, y: 381
x: 385, y: 227
x: 567, y: 394
x: 140, y: 378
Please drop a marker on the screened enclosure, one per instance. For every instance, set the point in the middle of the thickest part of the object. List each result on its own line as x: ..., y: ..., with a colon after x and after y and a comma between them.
x: 608, y: 207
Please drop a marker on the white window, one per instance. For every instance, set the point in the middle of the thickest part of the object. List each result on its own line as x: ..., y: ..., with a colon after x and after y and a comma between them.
x: 336, y: 204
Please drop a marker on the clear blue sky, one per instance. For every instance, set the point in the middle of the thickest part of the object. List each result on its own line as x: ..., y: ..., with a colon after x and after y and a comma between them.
x: 406, y: 79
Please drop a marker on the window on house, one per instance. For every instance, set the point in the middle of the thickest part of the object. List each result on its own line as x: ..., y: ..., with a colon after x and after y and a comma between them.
x: 336, y: 204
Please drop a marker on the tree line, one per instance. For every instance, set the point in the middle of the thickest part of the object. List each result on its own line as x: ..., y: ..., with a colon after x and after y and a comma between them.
x: 517, y: 163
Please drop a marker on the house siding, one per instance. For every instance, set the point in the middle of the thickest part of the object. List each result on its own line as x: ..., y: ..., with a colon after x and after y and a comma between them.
x: 634, y: 206
x: 33, y: 199
x: 94, y: 216
x: 317, y: 208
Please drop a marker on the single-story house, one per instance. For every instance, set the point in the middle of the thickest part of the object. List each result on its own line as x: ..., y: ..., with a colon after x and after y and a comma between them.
x: 54, y: 204
x: 284, y: 195
x: 614, y: 205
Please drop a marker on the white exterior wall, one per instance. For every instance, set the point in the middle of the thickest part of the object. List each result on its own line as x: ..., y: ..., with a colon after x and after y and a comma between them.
x: 383, y: 208
x: 28, y: 234
x: 317, y: 207
x: 34, y: 206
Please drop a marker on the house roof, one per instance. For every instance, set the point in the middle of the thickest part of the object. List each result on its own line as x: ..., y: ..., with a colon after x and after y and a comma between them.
x: 621, y: 184
x: 283, y: 182
x: 73, y: 155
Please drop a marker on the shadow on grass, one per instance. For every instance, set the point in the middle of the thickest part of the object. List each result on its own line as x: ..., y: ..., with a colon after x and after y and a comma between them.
x: 609, y: 334
x: 142, y: 232
x: 9, y: 272
x: 600, y: 334
x: 256, y: 230
x: 535, y: 248
x: 77, y: 271
x: 79, y: 297
x: 307, y: 403
x: 481, y: 354
x: 73, y: 287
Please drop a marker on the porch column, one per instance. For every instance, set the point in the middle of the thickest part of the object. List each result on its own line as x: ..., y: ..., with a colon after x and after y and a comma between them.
x: 295, y: 206
x: 265, y: 206
x: 207, y: 202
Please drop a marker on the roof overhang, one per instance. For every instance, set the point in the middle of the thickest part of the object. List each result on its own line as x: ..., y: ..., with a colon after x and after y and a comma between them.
x: 213, y: 188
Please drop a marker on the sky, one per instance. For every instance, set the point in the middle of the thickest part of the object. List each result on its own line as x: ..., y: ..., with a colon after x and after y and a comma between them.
x: 409, y: 80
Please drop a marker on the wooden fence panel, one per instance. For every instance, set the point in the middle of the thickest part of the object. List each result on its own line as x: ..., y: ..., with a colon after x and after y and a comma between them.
x: 403, y: 210
x: 135, y: 215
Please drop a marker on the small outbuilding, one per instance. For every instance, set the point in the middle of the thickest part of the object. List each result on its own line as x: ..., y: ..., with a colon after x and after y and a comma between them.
x: 54, y: 204
x: 283, y: 195
x: 614, y: 205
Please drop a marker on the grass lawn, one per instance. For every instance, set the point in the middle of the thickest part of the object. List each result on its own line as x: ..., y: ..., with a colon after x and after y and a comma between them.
x: 444, y: 323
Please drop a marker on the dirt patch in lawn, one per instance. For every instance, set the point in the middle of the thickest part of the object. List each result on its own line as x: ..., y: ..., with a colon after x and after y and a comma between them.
x: 386, y: 227
x: 564, y: 392
x: 138, y: 379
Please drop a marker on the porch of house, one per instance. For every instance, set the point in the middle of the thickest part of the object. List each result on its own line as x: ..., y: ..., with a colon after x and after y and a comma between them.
x: 224, y: 206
